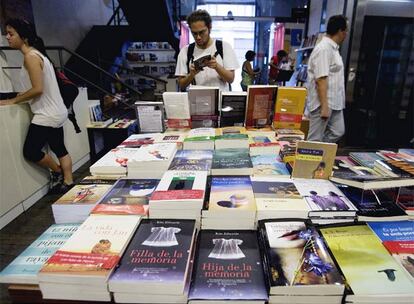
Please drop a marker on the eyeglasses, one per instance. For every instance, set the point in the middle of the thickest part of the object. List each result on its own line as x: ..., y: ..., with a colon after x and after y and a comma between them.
x: 199, y: 33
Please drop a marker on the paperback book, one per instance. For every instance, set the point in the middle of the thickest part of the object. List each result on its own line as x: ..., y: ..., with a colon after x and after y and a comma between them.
x: 192, y: 160
x: 290, y: 104
x: 233, y: 109
x: 314, y: 160
x: 297, y: 260
x: 371, y: 272
x: 24, y: 268
x: 231, y: 162
x: 269, y: 165
x: 278, y: 198
x: 398, y: 238
x: 228, y: 268
x: 157, y: 259
x: 260, y: 102
x: 127, y: 196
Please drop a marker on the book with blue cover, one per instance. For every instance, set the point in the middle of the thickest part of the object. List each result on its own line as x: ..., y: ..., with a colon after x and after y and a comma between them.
x: 228, y: 267
x: 157, y: 259
x: 24, y: 268
x: 192, y: 160
x: 269, y: 164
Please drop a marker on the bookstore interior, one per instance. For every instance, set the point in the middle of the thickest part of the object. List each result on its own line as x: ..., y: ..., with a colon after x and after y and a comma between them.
x: 209, y: 196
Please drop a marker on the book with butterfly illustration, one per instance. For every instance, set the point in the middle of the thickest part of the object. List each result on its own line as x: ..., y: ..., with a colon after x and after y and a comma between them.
x: 127, y: 196
x: 297, y: 260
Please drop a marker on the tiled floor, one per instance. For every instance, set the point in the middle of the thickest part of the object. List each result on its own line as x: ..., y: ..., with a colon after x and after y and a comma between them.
x: 21, y: 232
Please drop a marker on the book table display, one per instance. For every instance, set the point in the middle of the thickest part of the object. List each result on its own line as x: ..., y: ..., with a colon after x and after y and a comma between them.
x: 227, y: 215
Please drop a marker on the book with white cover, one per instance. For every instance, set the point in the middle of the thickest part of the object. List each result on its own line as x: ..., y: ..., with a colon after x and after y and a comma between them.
x: 24, y: 268
x: 171, y: 138
x: 325, y: 199
x: 114, y: 162
x: 180, y: 189
x: 92, y: 252
x: 278, y: 198
x: 177, y: 105
x: 154, y: 154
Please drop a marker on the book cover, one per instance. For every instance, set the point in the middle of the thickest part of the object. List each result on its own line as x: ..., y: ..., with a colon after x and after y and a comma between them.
x: 181, y: 185
x: 296, y: 256
x: 233, y: 108
x: 158, y: 254
x: 127, y: 196
x: 137, y: 140
x: 24, y: 268
x: 260, y: 101
x: 290, y: 104
x: 203, y: 101
x: 231, y: 159
x: 155, y: 152
x: 177, y: 105
x: 268, y: 165
x: 115, y: 161
x: 314, y: 159
x: 228, y: 267
x: 201, y: 134
x: 322, y: 195
x: 192, y: 160
x: 231, y: 193
x: 278, y: 194
x: 94, y: 249
x: 373, y: 204
x: 88, y: 194
x: 368, y: 267
x: 398, y: 238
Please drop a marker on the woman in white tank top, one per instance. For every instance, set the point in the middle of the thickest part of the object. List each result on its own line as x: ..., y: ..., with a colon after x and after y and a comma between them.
x: 42, y: 92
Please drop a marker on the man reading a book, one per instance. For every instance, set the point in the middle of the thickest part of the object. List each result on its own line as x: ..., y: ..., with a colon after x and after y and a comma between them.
x: 326, y: 84
x: 194, y: 66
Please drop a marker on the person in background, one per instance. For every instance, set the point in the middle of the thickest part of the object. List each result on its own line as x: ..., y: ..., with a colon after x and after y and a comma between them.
x: 219, y: 71
x: 248, y: 74
x: 275, y: 63
x: 326, y: 84
x: 49, y: 112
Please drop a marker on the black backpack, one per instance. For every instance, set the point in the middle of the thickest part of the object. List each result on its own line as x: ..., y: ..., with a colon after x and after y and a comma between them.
x: 69, y: 91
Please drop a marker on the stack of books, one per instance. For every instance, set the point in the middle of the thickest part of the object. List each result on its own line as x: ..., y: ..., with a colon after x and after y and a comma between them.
x: 157, y: 265
x: 232, y: 162
x: 269, y: 165
x: 231, y: 137
x: 261, y: 143
x: 180, y: 194
x: 128, y: 197
x: 231, y: 204
x: 200, y: 139
x: 278, y: 198
x: 24, y: 268
x: 192, y: 160
x: 371, y: 272
x: 151, y: 161
x: 80, y: 269
x: 327, y: 203
x: 76, y: 205
x: 298, y: 266
x: 114, y: 163
x: 228, y: 269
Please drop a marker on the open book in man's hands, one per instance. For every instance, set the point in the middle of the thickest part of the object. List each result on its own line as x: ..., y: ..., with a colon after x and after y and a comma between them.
x: 201, y: 62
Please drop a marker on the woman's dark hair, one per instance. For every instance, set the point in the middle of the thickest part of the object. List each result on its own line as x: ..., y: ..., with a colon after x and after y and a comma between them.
x: 335, y: 24
x: 27, y: 31
x: 281, y: 53
x: 250, y: 55
x: 199, y: 15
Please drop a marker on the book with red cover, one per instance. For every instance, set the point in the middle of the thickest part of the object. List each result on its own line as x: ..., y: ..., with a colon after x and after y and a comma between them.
x: 260, y: 102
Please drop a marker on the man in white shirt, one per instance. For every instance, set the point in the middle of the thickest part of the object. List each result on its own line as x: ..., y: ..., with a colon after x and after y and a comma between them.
x: 326, y: 84
x: 219, y: 70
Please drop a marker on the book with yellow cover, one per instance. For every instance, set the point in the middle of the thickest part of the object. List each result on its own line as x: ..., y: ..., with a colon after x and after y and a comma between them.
x: 290, y: 104
x: 369, y: 269
x: 314, y: 159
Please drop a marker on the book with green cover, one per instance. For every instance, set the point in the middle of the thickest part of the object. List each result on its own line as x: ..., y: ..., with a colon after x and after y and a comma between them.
x: 368, y: 267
